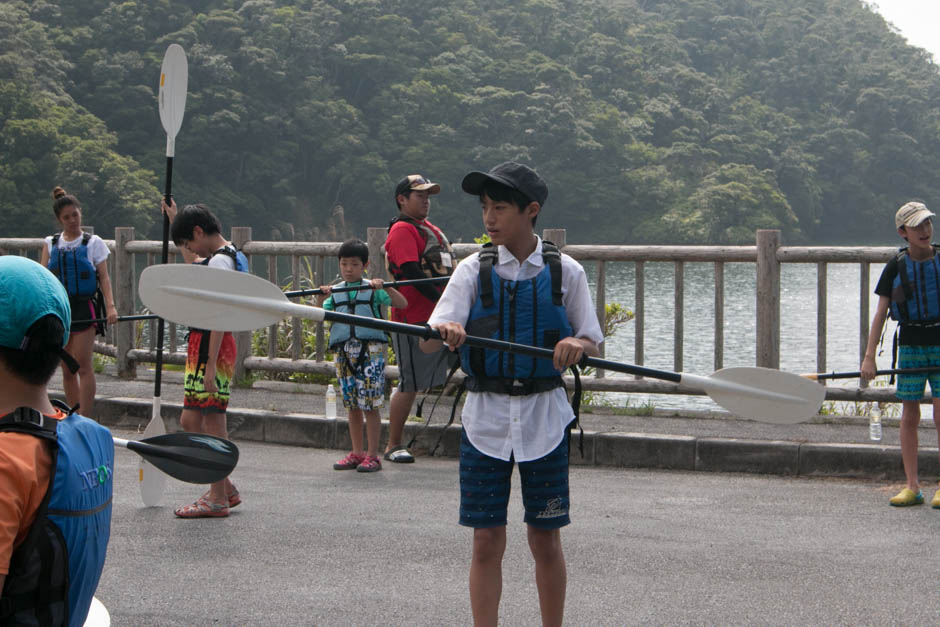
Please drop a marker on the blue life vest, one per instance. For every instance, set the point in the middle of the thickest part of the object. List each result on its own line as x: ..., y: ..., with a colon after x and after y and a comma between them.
x: 73, y: 268
x: 915, y: 292
x: 55, y: 571
x: 528, y: 312
x: 362, y: 305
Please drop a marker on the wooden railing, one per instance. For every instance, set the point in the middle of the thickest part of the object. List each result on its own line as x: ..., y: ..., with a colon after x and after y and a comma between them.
x: 314, y: 263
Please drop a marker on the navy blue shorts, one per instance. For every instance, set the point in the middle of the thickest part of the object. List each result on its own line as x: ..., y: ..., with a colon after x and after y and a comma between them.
x: 485, y: 484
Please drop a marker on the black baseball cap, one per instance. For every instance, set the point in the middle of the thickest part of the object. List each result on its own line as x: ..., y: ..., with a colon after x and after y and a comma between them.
x: 511, y: 174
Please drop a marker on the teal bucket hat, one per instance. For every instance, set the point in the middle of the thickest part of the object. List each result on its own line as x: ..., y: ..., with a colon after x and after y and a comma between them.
x: 28, y: 292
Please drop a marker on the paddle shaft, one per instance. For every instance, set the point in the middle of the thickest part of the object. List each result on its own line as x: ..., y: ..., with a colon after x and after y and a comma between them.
x: 427, y: 333
x: 316, y: 290
x: 120, y: 319
x: 820, y: 376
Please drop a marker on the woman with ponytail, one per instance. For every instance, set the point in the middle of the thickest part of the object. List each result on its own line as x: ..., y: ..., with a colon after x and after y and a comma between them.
x: 80, y: 261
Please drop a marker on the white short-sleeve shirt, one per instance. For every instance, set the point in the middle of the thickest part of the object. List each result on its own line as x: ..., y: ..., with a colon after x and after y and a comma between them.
x: 526, y: 427
x: 97, y: 249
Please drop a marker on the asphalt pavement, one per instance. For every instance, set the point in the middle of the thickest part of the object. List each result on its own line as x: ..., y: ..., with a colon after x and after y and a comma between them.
x: 314, y: 546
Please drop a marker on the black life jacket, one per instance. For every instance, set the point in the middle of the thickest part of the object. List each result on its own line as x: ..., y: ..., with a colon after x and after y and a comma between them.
x: 437, y: 258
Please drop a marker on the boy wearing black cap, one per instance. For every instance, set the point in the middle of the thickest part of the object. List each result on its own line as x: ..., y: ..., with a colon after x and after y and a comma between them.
x: 523, y: 290
x: 55, y: 468
x: 908, y: 291
x: 414, y: 249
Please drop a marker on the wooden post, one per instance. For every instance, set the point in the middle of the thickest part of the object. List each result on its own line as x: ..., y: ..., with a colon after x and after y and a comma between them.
x: 639, y: 313
x: 375, y: 240
x: 272, y: 330
x: 822, y: 298
x: 719, y: 315
x: 124, y: 299
x: 863, y: 307
x: 768, y: 299
x: 320, y: 271
x: 678, y: 316
x: 600, y: 304
x: 240, y: 236
x: 556, y: 236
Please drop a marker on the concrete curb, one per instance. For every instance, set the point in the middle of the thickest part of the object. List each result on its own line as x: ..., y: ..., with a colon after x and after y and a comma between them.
x: 621, y: 450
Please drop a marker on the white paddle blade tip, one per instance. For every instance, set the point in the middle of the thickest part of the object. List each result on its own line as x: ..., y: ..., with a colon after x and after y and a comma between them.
x: 216, y: 299
x: 174, y: 80
x: 762, y: 394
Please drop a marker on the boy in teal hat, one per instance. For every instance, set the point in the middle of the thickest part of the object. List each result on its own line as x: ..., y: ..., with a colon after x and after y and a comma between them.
x: 54, y: 524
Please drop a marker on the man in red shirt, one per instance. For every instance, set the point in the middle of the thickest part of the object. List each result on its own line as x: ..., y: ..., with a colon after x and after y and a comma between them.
x: 415, y: 249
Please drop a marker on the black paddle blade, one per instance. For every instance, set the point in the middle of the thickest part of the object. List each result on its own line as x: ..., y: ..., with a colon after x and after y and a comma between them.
x: 189, y: 457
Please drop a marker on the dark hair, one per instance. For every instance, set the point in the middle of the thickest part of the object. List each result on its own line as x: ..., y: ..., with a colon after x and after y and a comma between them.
x: 354, y: 248
x: 190, y: 217
x: 497, y: 192
x: 61, y: 200
x: 38, y: 363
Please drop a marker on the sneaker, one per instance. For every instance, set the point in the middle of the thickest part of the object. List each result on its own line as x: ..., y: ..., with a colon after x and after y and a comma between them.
x: 370, y: 463
x: 935, y: 502
x: 349, y: 462
x: 907, y: 497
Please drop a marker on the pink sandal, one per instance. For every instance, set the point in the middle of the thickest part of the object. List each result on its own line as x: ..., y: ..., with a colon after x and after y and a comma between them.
x: 234, y: 498
x: 202, y: 508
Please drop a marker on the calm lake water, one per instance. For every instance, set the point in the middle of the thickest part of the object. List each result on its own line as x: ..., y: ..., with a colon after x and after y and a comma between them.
x: 797, y: 328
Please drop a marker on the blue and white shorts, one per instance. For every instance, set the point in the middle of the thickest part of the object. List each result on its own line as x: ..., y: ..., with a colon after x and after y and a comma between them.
x: 485, y: 484
x: 362, y: 381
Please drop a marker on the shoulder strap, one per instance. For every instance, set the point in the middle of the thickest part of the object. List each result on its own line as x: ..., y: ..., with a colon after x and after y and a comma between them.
x: 552, y: 257
x: 29, y: 420
x: 55, y: 240
x: 85, y: 238
x: 488, y: 257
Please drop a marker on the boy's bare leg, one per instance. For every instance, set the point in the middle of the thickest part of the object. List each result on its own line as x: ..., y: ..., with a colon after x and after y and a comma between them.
x: 398, y: 409
x: 910, y: 418
x: 486, y: 575
x: 214, y: 424
x: 551, y: 575
x: 373, y: 431
x: 355, y: 430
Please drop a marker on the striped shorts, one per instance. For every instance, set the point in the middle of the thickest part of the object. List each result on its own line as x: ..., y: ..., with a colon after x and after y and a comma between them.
x: 911, y: 386
x: 485, y: 484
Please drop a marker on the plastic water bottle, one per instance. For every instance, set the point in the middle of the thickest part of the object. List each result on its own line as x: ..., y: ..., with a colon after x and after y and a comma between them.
x: 874, y: 423
x: 330, y: 402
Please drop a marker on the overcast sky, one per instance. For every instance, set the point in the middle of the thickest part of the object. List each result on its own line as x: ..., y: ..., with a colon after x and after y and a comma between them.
x: 916, y: 19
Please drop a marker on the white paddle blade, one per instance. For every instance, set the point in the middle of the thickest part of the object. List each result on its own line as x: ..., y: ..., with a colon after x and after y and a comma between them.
x: 98, y: 615
x: 152, y: 479
x: 762, y: 394
x: 216, y: 299
x: 174, y: 78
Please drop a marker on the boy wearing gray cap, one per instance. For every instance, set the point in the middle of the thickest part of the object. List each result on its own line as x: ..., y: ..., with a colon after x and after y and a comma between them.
x: 523, y: 290
x: 909, y: 291
x: 55, y: 466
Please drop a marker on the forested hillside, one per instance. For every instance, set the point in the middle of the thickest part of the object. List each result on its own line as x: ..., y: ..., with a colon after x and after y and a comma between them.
x: 677, y: 121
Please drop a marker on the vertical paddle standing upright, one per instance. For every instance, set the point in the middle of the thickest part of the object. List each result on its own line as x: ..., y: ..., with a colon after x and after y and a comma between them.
x: 174, y: 77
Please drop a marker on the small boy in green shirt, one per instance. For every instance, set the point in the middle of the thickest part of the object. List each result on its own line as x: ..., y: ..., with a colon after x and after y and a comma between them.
x: 360, y: 352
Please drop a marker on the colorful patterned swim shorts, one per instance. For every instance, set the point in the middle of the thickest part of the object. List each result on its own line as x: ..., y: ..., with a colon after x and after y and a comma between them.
x: 361, y: 375
x: 194, y: 388
x: 911, y: 386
